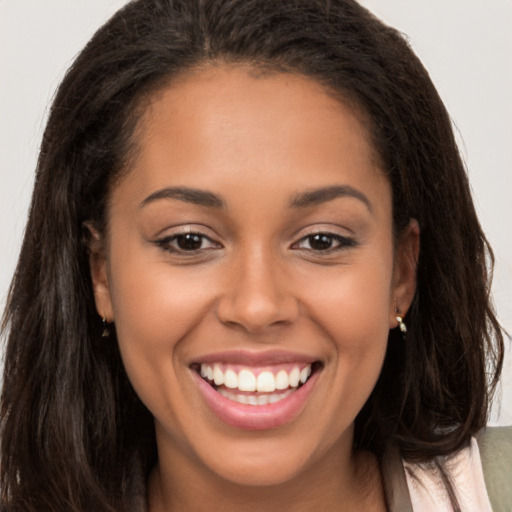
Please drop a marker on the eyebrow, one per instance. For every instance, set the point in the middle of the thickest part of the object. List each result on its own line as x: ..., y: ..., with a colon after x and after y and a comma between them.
x: 325, y: 194
x: 187, y: 195
x: 302, y: 200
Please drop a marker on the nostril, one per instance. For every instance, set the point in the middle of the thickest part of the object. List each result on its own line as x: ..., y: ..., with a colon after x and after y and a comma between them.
x: 257, y: 304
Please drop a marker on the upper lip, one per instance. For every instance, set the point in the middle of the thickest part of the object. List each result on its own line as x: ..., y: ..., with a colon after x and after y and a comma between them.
x: 255, y: 358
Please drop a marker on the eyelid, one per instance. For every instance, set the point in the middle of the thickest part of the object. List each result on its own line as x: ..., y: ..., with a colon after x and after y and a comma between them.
x: 184, y: 229
x: 344, y: 241
x: 164, y: 241
x: 315, y: 227
x: 168, y: 239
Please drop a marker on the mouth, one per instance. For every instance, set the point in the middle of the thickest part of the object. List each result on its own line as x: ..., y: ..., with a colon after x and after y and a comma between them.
x: 256, y: 386
x: 256, y: 397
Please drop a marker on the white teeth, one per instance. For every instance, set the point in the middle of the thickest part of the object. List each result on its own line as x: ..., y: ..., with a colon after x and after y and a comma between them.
x: 252, y: 400
x: 304, y: 374
x: 230, y: 379
x: 263, y: 400
x: 282, y: 380
x: 241, y: 399
x: 218, y: 375
x: 266, y: 382
x: 255, y: 400
x: 246, y: 380
x: 294, y: 377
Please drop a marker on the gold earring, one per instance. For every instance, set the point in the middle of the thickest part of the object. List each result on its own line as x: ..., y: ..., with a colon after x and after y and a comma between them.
x: 401, y: 324
x: 106, y: 328
x: 400, y: 321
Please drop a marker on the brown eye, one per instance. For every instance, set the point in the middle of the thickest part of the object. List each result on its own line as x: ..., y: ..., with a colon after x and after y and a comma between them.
x: 189, y: 242
x: 324, y: 242
x: 320, y: 242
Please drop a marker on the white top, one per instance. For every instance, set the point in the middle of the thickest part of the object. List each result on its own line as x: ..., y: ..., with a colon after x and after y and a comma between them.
x: 428, y: 493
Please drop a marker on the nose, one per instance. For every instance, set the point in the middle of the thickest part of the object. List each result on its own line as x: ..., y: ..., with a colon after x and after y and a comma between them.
x: 257, y: 295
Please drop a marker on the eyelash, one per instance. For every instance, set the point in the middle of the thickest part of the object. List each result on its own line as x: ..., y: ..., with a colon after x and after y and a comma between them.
x: 194, y: 237
x: 342, y: 242
x: 167, y: 243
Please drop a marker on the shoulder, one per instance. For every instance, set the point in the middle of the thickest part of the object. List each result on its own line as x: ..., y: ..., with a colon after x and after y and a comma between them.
x: 495, y: 446
x: 479, y: 475
x: 450, y: 482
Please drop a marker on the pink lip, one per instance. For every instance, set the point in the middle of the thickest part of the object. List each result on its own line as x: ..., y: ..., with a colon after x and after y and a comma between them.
x: 249, y: 358
x: 260, y: 417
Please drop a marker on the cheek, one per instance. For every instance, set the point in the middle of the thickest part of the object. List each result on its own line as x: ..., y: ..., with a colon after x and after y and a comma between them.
x: 353, y: 306
x: 353, y: 312
x: 155, y: 307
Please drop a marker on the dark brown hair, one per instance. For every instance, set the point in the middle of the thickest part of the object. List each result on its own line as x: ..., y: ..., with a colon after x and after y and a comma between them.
x: 72, y: 428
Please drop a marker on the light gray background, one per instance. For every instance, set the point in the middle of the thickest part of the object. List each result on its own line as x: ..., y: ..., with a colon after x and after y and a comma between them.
x: 465, y: 44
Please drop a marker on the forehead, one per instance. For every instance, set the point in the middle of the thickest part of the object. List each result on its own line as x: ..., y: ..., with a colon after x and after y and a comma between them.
x: 228, y: 97
x: 226, y: 127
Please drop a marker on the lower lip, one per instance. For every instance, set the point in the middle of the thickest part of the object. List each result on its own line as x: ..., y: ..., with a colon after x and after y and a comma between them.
x: 256, y: 417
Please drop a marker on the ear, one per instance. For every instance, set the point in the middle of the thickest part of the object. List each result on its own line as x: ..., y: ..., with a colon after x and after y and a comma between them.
x: 99, y: 273
x: 404, y: 272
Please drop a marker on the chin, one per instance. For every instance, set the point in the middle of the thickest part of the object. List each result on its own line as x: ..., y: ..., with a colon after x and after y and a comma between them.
x: 259, y: 473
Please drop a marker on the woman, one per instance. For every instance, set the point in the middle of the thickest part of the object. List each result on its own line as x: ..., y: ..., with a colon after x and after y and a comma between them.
x: 252, y: 274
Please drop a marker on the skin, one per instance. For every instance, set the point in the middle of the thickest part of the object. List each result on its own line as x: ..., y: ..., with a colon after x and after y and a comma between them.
x: 257, y: 283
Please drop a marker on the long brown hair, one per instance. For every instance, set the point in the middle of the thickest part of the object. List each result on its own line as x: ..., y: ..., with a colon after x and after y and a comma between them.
x: 73, y: 432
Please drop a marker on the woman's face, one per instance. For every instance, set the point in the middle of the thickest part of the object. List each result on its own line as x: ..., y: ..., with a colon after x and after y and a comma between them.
x: 250, y: 249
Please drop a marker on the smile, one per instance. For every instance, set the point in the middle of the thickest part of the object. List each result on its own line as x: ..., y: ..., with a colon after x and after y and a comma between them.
x: 255, y: 380
x: 256, y: 397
